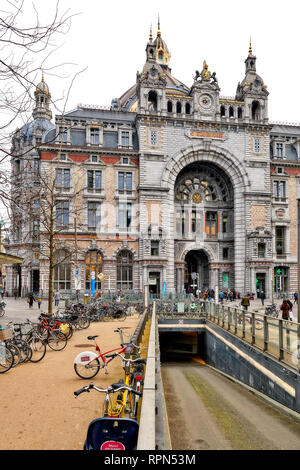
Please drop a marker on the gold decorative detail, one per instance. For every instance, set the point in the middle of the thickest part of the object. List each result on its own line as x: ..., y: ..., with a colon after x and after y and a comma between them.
x: 250, y: 47
x: 205, y: 72
x: 197, y: 198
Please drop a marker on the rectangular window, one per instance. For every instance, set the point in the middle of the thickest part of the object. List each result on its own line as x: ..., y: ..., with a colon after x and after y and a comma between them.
x: 94, y: 134
x: 225, y: 253
x: 225, y: 224
x: 280, y: 240
x: 279, y: 188
x: 93, y: 215
x: 124, y: 181
x: 94, y: 158
x: 194, y: 221
x: 257, y: 145
x: 94, y: 180
x: 154, y: 248
x: 63, y: 134
x: 63, y: 156
x: 211, y: 223
x: 124, y: 218
x: 153, y: 137
x: 261, y: 250
x: 62, y: 213
x: 35, y: 229
x: 279, y: 150
x: 63, y: 179
x: 125, y: 139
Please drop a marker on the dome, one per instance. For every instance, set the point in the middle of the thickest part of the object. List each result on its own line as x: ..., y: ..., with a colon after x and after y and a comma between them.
x: 29, y: 129
x: 42, y: 87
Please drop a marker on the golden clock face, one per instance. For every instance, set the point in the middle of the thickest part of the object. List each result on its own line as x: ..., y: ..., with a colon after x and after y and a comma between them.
x: 197, y: 198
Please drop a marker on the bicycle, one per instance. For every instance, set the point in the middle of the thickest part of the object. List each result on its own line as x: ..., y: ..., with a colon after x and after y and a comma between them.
x: 6, y: 354
x: 87, y: 363
x: 52, y: 336
x: 111, y: 433
x: 272, y: 310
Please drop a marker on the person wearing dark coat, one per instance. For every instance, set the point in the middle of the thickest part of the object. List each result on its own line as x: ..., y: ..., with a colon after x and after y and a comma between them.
x: 285, y: 308
x: 30, y: 300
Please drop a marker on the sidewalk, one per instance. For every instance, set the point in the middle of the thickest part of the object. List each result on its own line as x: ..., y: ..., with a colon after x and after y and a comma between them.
x: 255, y: 305
x: 18, y: 310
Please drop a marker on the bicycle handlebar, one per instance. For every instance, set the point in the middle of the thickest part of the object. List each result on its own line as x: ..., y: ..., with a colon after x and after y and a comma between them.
x: 109, y: 389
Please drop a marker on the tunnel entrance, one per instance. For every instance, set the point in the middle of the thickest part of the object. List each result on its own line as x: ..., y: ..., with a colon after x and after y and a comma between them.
x: 181, y: 345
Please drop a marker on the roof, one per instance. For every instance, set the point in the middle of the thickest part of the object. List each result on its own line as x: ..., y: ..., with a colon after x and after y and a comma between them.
x: 10, y: 259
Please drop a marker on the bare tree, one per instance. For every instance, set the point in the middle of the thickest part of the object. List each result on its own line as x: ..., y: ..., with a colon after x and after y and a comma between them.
x: 24, y: 53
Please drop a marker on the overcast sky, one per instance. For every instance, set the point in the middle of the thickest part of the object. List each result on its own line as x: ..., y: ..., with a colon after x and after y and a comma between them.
x: 105, y: 46
x: 109, y: 38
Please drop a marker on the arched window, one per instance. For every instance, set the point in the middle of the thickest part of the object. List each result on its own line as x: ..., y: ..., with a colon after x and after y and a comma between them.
x: 187, y: 108
x: 152, y: 101
x: 124, y: 270
x: 255, y: 111
x: 170, y: 107
x: 178, y: 107
x: 93, y: 262
x: 231, y: 112
x: 240, y: 113
x: 222, y: 111
x: 62, y: 270
x: 160, y: 57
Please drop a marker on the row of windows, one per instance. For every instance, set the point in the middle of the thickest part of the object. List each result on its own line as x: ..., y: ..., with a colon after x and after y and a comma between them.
x: 189, y: 222
x: 95, y: 137
x: 93, y: 263
x: 93, y: 180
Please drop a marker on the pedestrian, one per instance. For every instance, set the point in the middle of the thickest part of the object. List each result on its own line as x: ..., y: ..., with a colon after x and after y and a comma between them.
x: 39, y: 301
x: 245, y: 302
x: 30, y: 300
x: 56, y: 298
x: 262, y: 297
x: 285, y: 308
x: 296, y: 298
x: 2, y: 292
x: 221, y: 297
x: 15, y: 292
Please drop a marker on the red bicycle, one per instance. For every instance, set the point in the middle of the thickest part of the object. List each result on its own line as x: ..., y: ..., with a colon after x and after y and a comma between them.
x: 87, y: 364
x: 51, y: 333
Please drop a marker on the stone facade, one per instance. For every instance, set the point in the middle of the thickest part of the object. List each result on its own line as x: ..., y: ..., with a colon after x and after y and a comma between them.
x: 173, y: 187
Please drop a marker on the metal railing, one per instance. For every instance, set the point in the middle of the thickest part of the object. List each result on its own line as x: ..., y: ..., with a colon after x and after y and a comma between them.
x: 278, y: 337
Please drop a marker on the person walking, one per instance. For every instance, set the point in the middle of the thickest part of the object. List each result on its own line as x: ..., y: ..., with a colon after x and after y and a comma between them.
x: 262, y: 297
x: 285, y: 308
x: 245, y: 302
x: 30, y: 300
x: 39, y: 301
x: 296, y: 298
x: 56, y: 298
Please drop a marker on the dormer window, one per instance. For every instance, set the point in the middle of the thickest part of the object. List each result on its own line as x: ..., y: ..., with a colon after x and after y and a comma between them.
x: 125, y: 139
x: 94, y: 136
x: 160, y: 57
x: 279, y: 150
x: 94, y: 158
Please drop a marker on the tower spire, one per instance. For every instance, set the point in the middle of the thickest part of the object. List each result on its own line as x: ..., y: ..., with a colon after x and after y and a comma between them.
x: 158, y: 26
x: 150, y: 35
x: 250, y: 47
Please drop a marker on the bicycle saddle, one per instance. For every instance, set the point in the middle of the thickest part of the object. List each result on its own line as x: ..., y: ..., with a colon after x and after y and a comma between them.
x: 117, y: 385
x: 92, y: 337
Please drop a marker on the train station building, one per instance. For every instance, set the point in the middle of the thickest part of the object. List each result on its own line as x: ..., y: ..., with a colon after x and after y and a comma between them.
x: 172, y: 186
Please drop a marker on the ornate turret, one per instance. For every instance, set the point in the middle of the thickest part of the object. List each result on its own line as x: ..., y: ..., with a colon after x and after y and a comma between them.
x: 42, y: 101
x: 253, y: 91
x: 205, y: 91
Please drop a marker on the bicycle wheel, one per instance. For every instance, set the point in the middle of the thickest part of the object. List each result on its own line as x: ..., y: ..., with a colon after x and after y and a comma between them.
x: 56, y: 340
x: 88, y: 371
x: 16, y: 353
x: 6, y: 358
x: 38, y: 348
x: 24, y: 349
x: 85, y: 322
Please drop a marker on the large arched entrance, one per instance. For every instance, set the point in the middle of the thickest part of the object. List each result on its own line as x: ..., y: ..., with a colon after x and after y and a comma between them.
x: 196, y: 271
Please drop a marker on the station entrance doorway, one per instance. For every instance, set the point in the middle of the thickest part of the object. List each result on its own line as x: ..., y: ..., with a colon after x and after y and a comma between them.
x: 196, y: 272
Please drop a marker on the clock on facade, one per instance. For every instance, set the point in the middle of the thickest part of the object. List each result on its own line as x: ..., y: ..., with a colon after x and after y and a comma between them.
x: 205, y: 101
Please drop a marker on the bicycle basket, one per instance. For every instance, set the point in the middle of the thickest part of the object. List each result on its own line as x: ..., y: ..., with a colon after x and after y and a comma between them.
x: 6, y: 334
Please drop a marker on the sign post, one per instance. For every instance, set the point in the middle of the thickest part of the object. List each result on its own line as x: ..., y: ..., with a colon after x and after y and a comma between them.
x: 93, y: 283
